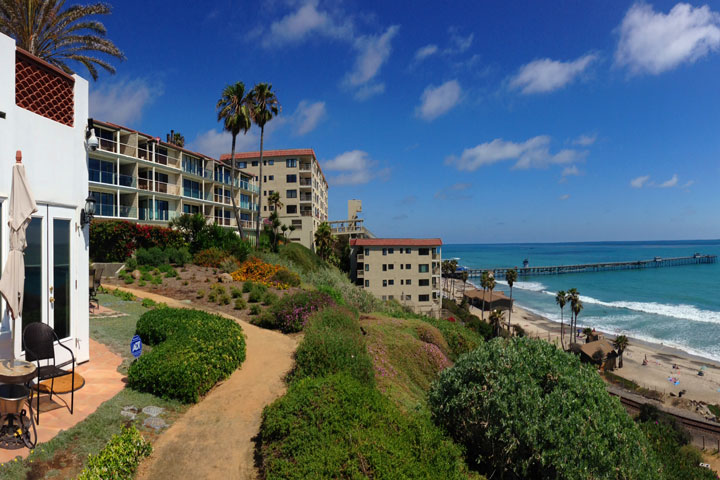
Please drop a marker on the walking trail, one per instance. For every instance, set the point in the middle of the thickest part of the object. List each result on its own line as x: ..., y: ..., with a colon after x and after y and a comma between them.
x: 213, y: 440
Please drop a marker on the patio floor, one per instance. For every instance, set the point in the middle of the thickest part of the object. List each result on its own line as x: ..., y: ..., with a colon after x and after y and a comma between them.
x: 102, y: 382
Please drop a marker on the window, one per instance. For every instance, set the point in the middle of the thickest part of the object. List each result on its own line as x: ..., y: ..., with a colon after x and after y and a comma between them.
x: 391, y: 250
x: 264, y: 178
x: 384, y: 283
x: 105, y: 205
x: 402, y: 282
x: 408, y: 282
x: 408, y: 297
x: 291, y: 163
x: 255, y: 163
x: 367, y: 267
x: 161, y: 209
x: 384, y: 297
x: 384, y: 251
x: 271, y: 177
x: 408, y: 250
x: 271, y: 162
x: 384, y: 267
x: 391, y: 297
x: 291, y: 193
x: 241, y: 164
x: 367, y: 251
x: 401, y: 251
x: 402, y: 266
x: 424, y: 282
x: 391, y: 266
x: 291, y: 209
x: 191, y: 209
x: 102, y: 172
x: 407, y: 266
x: 191, y: 189
x: 391, y: 282
x: 292, y: 178
x: 367, y: 283
x: 192, y: 165
x: 423, y: 268
x: 423, y: 251
x: 423, y: 298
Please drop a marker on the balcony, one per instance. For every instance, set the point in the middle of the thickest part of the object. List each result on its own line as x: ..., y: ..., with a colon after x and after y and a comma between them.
x: 306, y: 182
x: 158, y: 186
x: 306, y: 197
x: 360, y: 273
x: 198, y: 172
x: 110, y: 178
x: 225, y: 222
x: 148, y: 214
x: 222, y: 199
x: 306, y: 167
x: 360, y: 257
x: 111, y: 210
x: 306, y: 213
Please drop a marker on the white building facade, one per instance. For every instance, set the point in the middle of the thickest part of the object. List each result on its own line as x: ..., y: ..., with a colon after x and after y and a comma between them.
x: 43, y: 114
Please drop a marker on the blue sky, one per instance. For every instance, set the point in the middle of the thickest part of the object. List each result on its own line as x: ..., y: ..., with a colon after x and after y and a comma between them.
x: 481, y: 122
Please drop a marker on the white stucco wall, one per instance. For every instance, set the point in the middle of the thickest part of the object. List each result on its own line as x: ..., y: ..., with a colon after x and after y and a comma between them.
x: 56, y: 165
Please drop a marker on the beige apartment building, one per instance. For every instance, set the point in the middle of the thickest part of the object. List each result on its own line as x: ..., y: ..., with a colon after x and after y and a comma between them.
x: 297, y: 176
x: 404, y: 269
x: 137, y: 177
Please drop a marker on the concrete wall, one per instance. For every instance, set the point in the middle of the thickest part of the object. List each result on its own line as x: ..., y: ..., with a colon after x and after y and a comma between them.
x: 56, y: 165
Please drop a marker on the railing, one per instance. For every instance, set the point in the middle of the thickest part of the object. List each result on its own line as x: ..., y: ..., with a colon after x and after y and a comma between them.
x: 227, y: 222
x: 107, y: 145
x: 360, y: 273
x: 306, y: 197
x: 127, y: 212
x: 158, y: 186
x: 360, y: 257
x: 158, y: 215
x: 111, y: 178
x: 248, y: 224
x: 306, y: 182
x: 146, y: 154
x: 191, y: 193
x: 198, y: 172
x: 111, y: 210
x: 222, y: 199
x: 305, y: 213
x: 305, y: 167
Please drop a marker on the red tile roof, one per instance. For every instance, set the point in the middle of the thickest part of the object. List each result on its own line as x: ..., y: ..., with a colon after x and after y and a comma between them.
x: 396, y: 242
x: 270, y: 153
x: 43, y: 88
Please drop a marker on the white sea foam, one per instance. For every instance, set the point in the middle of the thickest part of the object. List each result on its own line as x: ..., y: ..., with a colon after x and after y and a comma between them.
x: 532, y: 286
x: 682, y: 311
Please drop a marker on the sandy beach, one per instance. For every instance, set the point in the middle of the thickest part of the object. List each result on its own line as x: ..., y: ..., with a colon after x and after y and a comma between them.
x: 655, y: 375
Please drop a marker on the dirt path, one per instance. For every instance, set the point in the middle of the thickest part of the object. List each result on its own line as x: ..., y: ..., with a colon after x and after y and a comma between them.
x: 213, y: 440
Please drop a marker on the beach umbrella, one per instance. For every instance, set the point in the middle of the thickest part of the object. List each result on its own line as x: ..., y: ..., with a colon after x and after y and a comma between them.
x: 22, y: 206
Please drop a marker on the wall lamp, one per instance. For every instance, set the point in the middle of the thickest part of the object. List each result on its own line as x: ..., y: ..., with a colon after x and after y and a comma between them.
x: 88, y: 213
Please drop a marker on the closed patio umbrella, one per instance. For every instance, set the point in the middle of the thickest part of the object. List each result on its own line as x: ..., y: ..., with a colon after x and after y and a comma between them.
x: 22, y: 206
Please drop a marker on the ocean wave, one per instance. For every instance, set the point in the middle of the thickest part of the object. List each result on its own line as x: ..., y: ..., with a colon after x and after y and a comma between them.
x: 682, y: 311
x: 532, y: 286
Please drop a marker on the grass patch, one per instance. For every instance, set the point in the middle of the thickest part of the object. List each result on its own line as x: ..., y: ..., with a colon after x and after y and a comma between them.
x: 715, y: 410
x: 632, y: 386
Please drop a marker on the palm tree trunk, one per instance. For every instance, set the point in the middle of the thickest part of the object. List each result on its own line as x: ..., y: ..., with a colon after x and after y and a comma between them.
x: 232, y: 188
x: 511, y: 307
x: 482, y: 312
x: 260, y: 179
x: 562, y: 329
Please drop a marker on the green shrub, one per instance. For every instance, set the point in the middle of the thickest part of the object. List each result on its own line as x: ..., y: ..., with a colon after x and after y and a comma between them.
x: 224, y: 299
x: 146, y: 276
x: 119, y: 459
x: 192, y: 351
x: 228, y: 265
x: 240, y: 303
x: 459, y: 338
x: 255, y: 296
x: 224, y: 239
x: 178, y: 256
x: 247, y: 287
x: 154, y: 256
x: 287, y: 277
x: 200, y: 294
x: 338, y: 427
x: 115, y: 292
x: 116, y: 240
x: 292, y: 312
x: 235, y: 292
x: 334, y: 294
x: 211, y: 257
x: 255, y: 309
x: 157, y: 280
x: 148, y: 303
x: 302, y: 257
x: 671, y: 444
x: 269, y: 298
x: 142, y: 283
x: 524, y: 409
x: 129, y: 279
x: 333, y: 343
x: 131, y: 264
x: 431, y: 335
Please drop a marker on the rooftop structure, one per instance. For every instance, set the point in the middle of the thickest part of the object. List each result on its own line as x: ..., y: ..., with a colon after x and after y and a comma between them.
x: 297, y: 176
x: 402, y: 269
x: 135, y: 176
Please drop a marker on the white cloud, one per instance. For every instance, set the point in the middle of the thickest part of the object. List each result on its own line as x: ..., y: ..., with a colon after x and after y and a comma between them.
x: 533, y: 153
x: 214, y: 143
x: 564, y: 197
x: 571, y: 170
x: 639, y: 182
x: 373, y: 52
x: 306, y: 21
x: 688, y: 184
x: 123, y: 101
x: 670, y: 183
x: 545, y: 75
x: 355, y: 167
x: 653, y: 42
x: 453, y: 192
x: 426, y: 51
x: 370, y: 90
x: 459, y: 43
x: 307, y: 116
x: 585, y: 140
x: 437, y: 101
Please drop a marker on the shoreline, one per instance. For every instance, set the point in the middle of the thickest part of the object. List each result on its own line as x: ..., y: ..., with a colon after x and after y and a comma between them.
x: 655, y: 375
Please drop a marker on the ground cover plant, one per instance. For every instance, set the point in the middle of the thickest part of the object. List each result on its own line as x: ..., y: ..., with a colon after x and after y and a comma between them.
x: 259, y: 272
x: 192, y: 351
x: 524, y: 409
x: 292, y: 312
x: 119, y: 459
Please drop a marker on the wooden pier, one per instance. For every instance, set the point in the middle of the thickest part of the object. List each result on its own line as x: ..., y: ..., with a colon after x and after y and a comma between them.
x: 656, y: 262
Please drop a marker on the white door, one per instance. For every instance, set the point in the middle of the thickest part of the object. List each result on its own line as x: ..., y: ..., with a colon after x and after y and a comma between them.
x: 49, y: 276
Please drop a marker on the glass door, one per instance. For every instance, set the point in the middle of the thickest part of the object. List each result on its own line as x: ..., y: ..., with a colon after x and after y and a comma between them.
x: 35, y: 299
x: 59, y: 271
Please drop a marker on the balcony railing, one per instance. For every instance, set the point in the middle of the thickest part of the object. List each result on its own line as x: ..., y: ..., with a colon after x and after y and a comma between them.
x: 305, y: 167
x: 157, y: 186
x: 157, y: 215
x: 222, y: 199
x: 111, y: 178
x: 111, y: 210
x: 360, y: 273
x: 305, y: 197
x: 198, y: 172
x: 306, y: 213
x: 306, y: 182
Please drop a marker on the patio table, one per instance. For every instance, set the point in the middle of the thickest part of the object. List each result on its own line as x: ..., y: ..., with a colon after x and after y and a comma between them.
x: 15, y: 375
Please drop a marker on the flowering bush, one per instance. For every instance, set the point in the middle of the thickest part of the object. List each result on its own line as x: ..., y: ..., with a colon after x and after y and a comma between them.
x: 292, y: 312
x: 256, y: 271
x: 211, y: 257
x: 116, y: 240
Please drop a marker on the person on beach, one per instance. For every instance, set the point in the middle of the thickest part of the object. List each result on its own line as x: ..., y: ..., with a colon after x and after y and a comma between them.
x: 645, y: 360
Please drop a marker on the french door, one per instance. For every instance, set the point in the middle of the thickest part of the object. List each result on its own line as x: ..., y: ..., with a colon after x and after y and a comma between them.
x: 49, y: 276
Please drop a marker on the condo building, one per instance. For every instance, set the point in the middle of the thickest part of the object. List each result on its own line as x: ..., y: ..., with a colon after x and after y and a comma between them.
x: 297, y: 176
x: 403, y: 269
x: 137, y: 177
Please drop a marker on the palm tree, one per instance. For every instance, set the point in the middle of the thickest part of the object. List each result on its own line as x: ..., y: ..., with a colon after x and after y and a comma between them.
x: 264, y: 106
x: 284, y: 229
x: 491, y: 283
x: 235, y: 115
x: 323, y: 240
x: 573, y: 297
x: 621, y: 343
x: 576, y: 308
x: 511, y: 277
x: 446, y: 269
x: 41, y: 28
x: 561, y: 298
x: 465, y: 275
x: 483, y: 283
x: 588, y: 332
x: 178, y: 139
x: 495, y: 320
x: 453, y: 271
x: 275, y: 205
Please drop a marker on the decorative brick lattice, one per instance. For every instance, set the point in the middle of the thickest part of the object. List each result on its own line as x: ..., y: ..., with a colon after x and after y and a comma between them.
x: 43, y: 89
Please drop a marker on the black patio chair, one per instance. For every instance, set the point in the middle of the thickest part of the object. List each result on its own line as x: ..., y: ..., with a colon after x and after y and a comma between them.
x: 39, y: 341
x: 95, y: 282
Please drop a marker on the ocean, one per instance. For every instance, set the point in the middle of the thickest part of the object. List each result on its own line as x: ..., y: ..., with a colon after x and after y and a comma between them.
x: 675, y: 306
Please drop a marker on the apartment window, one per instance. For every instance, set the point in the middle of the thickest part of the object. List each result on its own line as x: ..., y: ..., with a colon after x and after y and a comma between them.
x: 384, y: 283
x: 102, y: 172
x: 408, y: 250
x: 264, y: 193
x: 105, y: 204
x: 241, y: 164
x: 391, y: 282
x: 408, y: 282
x: 265, y: 209
x: 271, y: 162
x: 161, y: 209
x: 384, y: 267
x: 423, y: 268
x: 191, y: 209
x: 291, y: 193
x: 271, y: 177
x: 191, y: 189
x: 391, y: 266
x: 402, y: 282
x: 384, y: 251
x: 384, y: 297
x: 367, y: 251
x: 407, y: 266
x: 291, y: 178
x: 423, y: 251
x: 367, y: 267
x: 402, y: 266
x: 424, y: 282
x: 408, y: 297
x: 291, y: 163
x: 367, y: 283
x: 391, y: 297
x: 255, y: 163
x: 423, y: 298
x: 264, y: 178
x: 291, y: 208
x: 192, y: 165
x: 391, y: 250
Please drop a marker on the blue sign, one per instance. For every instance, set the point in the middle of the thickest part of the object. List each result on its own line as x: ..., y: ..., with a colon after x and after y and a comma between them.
x: 136, y: 346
